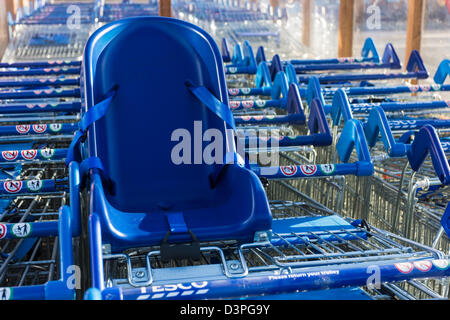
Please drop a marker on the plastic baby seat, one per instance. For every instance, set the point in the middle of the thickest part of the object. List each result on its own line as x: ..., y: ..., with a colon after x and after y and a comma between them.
x: 156, y: 72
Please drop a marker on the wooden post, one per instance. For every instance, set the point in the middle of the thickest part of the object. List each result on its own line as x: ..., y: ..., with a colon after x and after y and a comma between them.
x: 414, y: 27
x: 306, y: 32
x: 3, y: 28
x: 345, y: 33
x: 165, y: 8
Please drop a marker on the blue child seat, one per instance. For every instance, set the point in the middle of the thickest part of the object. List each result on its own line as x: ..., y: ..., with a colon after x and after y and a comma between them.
x: 147, y: 61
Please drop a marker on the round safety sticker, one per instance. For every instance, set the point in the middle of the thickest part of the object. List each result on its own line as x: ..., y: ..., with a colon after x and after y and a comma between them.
x: 247, y: 103
x: 245, y: 90
x: 10, y: 155
x: 234, y: 104
x: 6, y: 293
x: 423, y: 266
x: 414, y: 88
x: 34, y: 185
x: 28, y: 154
x: 12, y: 186
x: 260, y: 103
x: 39, y: 128
x: 259, y: 118
x: 23, y: 128
x: 308, y: 169
x: 55, y: 127
x: 21, y: 230
x: 404, y: 267
x: 441, y: 264
x: 3, y: 230
x: 47, y: 153
x: 425, y: 87
x: 233, y: 91
x: 288, y: 170
x: 436, y: 87
x: 232, y: 69
x: 327, y: 168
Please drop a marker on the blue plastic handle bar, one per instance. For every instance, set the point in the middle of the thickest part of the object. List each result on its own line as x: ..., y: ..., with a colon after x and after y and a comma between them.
x: 400, y: 106
x: 390, y: 61
x: 442, y: 71
x: 40, y: 93
x: 40, y: 82
x: 340, y: 108
x: 293, y: 119
x: 338, y: 276
x: 40, y: 71
x: 377, y: 124
x: 411, y: 124
x: 40, y: 107
x: 42, y: 128
x: 14, y: 187
x: 314, y: 91
x: 426, y: 142
x: 369, y: 53
x: 40, y: 64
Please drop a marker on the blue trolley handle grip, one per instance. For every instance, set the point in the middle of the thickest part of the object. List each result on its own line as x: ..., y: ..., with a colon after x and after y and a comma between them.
x: 275, y: 66
x: 260, y: 55
x: 426, y: 142
x: 249, y: 57
x: 280, y: 86
x: 376, y: 124
x: 340, y: 108
x: 225, y: 51
x: 352, y: 136
x: 318, y: 125
x: 442, y: 71
x: 290, y: 73
x: 369, y: 48
x: 262, y: 77
x: 238, y: 55
x: 390, y: 57
x: 314, y: 91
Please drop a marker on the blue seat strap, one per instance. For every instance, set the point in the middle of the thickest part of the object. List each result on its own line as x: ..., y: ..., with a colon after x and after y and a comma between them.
x: 93, y: 114
x: 95, y: 163
x: 215, y: 105
x: 176, y: 222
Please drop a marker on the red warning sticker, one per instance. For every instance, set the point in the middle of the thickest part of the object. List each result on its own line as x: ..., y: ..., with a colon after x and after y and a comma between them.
x: 234, y: 104
x: 12, y: 186
x: 308, y: 169
x: 404, y: 267
x: 233, y: 91
x: 10, y: 155
x: 423, y: 266
x: 39, y: 128
x: 23, y: 128
x: 28, y: 154
x: 3, y: 230
x: 288, y: 170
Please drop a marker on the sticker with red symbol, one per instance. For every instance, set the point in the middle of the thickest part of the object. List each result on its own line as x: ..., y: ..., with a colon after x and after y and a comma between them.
x: 404, y: 267
x: 423, y: 266
x: 308, y: 169
x: 288, y: 170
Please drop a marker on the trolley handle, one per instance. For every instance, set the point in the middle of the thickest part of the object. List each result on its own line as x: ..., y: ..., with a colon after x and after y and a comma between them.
x: 390, y: 57
x: 225, y: 51
x: 318, y: 125
x: 352, y: 136
x: 426, y: 142
x: 314, y: 90
x: 340, y: 108
x: 442, y: 71
x: 377, y: 124
x: 262, y: 77
x: 369, y: 48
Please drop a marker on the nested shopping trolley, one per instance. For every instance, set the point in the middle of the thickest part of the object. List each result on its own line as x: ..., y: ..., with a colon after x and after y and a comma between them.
x: 201, y: 230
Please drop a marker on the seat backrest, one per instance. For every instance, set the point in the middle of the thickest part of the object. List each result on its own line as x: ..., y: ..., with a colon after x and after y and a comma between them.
x: 149, y: 60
